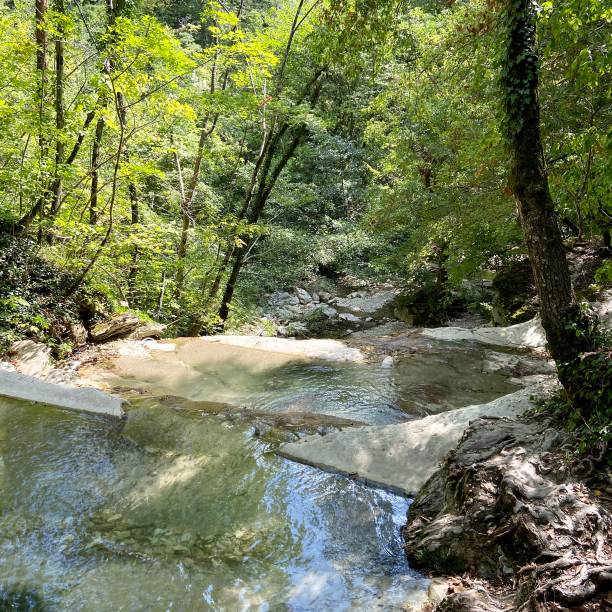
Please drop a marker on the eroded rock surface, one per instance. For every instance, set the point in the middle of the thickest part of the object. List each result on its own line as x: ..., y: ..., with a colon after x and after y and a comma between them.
x: 507, y: 506
x: 402, y: 457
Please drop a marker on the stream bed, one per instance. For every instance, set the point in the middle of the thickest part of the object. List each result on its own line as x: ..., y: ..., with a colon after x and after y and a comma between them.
x: 183, y: 508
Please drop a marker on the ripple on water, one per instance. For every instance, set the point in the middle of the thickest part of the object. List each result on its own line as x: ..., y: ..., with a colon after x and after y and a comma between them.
x: 185, y: 513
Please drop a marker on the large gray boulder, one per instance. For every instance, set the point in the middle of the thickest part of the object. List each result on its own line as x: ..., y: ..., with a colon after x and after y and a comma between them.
x: 115, y: 327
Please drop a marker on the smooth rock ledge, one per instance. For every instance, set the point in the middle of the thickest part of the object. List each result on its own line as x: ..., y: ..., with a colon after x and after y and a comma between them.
x: 86, y: 399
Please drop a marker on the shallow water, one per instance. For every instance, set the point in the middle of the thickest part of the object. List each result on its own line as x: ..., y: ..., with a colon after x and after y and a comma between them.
x: 180, y: 509
x: 430, y: 381
x: 184, y: 513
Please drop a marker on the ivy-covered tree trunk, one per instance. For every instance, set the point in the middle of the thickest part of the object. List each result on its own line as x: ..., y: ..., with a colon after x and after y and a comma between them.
x: 566, y: 329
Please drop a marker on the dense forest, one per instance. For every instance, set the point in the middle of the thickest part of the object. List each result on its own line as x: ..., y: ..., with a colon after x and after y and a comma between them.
x: 184, y: 159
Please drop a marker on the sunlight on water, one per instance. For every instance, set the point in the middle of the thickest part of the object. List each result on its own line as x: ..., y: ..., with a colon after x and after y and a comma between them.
x: 185, y: 513
x: 184, y: 507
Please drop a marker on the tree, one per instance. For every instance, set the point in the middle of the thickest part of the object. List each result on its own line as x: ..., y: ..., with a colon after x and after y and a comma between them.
x: 569, y: 332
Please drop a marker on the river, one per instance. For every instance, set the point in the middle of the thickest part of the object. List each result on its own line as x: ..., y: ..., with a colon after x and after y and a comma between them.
x: 185, y: 506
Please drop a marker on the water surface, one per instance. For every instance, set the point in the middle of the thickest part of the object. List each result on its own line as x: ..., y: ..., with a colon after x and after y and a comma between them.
x: 185, y: 507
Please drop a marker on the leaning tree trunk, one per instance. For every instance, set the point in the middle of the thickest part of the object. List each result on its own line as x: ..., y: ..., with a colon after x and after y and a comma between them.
x: 529, y: 183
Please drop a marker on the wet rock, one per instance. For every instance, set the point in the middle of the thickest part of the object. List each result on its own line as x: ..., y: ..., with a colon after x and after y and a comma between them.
x: 116, y: 327
x: 30, y: 358
x: 380, y: 455
x: 516, y: 365
x: 28, y: 388
x: 387, y: 362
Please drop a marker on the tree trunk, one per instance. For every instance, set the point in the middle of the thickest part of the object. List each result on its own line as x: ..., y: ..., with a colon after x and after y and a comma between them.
x: 95, y: 177
x: 529, y: 183
x: 266, y: 184
x: 60, y: 119
x: 41, y: 39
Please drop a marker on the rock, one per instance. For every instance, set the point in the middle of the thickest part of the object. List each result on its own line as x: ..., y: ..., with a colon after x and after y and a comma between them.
x: 368, y: 303
x: 296, y: 328
x: 328, y: 311
x: 149, y: 330
x: 517, y: 365
x: 529, y: 334
x: 31, y: 358
x: 402, y: 457
x: 387, y: 362
x: 324, y: 296
x: 506, y: 504
x: 315, y: 297
x: 515, y: 293
x: 117, y: 326
x: 350, y: 318
x: 331, y: 350
x: 78, y: 334
x: 469, y: 601
x: 28, y: 388
x: 603, y: 308
x: 303, y: 296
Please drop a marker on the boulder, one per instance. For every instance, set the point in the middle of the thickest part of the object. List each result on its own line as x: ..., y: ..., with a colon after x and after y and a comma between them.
x: 303, y: 296
x: 31, y: 358
x: 387, y: 362
x: 324, y: 296
x: 328, y: 311
x: 362, y: 302
x: 148, y: 330
x: 78, y: 334
x: 116, y: 327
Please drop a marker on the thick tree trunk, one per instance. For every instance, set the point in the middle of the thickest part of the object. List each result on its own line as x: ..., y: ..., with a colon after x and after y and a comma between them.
x: 529, y: 183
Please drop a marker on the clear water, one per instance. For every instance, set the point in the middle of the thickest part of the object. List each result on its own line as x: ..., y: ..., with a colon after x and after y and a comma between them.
x: 182, y: 509
x: 184, y: 513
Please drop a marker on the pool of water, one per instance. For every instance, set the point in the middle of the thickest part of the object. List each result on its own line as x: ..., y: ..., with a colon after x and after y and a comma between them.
x: 174, y: 512
x: 184, y: 509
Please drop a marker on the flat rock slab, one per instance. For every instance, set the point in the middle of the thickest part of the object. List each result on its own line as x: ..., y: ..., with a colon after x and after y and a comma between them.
x: 86, y: 399
x: 529, y: 334
x: 330, y: 350
x: 402, y: 457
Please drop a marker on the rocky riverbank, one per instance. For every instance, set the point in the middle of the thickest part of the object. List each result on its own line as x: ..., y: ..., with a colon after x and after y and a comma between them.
x: 497, y: 499
x: 508, y: 506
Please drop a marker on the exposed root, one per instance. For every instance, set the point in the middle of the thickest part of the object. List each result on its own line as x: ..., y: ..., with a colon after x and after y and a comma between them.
x: 507, y: 506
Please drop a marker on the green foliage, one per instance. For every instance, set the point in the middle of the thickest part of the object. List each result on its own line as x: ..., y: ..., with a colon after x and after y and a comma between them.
x: 32, y: 300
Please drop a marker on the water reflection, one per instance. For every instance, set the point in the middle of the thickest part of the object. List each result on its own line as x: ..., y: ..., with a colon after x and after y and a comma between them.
x: 183, y: 512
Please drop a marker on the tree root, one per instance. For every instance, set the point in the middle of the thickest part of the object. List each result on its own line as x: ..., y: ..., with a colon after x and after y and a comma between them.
x: 507, y: 506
